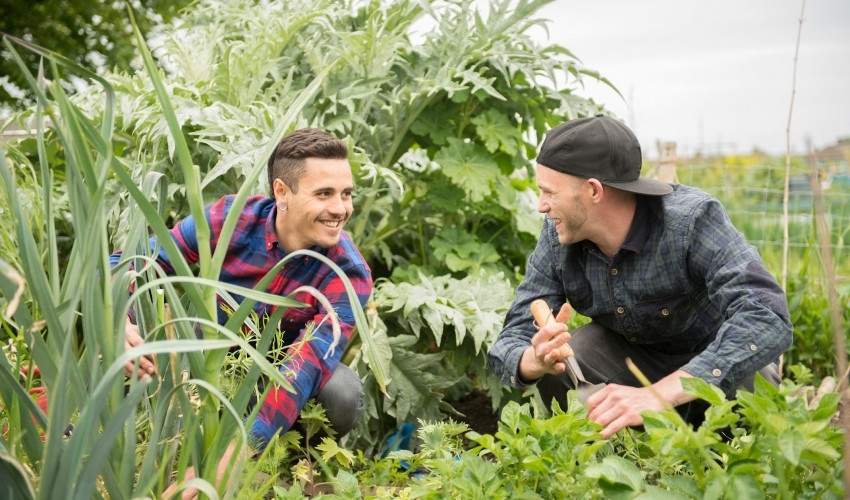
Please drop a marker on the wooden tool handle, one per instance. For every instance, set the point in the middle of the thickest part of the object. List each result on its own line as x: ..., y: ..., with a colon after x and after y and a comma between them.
x: 541, y: 312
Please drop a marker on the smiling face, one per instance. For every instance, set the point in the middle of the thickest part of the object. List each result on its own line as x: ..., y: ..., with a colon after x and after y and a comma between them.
x: 561, y: 201
x: 318, y: 208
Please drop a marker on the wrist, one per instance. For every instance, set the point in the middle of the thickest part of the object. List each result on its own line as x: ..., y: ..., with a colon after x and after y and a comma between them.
x: 529, y: 368
x: 670, y: 388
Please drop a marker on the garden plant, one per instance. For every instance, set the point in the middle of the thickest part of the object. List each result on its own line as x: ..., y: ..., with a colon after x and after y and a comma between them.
x: 443, y: 104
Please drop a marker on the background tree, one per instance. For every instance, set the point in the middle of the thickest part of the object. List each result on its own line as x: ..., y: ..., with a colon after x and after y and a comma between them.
x: 93, y: 33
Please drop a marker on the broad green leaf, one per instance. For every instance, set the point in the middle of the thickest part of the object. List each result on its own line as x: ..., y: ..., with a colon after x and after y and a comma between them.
x: 497, y: 132
x: 617, y: 471
x: 469, y: 167
x: 433, y: 123
x: 332, y: 451
x: 791, y: 445
x: 418, y: 380
x: 743, y: 487
x: 820, y: 447
x: 703, y: 390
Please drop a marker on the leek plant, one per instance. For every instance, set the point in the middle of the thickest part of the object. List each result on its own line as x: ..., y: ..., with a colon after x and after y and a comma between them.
x: 104, y: 435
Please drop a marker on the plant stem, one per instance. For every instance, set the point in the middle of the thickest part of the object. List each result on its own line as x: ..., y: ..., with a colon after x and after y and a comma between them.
x: 788, y: 154
x: 834, y: 313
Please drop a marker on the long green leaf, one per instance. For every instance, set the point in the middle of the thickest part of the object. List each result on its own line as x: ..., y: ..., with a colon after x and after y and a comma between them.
x: 85, y: 482
x: 94, y: 406
x: 161, y: 231
x: 191, y: 177
x: 14, y: 482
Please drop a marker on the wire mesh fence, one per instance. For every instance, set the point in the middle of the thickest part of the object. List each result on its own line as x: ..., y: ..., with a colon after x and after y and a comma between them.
x: 751, y: 188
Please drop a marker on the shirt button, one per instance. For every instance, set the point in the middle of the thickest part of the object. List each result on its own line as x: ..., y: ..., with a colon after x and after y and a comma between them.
x: 753, y: 347
x: 665, y: 312
x: 621, y: 310
x: 716, y: 372
x: 614, y: 271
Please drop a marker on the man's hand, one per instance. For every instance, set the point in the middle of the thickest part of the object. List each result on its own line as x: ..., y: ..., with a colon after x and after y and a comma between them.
x: 133, y: 339
x: 223, y: 466
x: 618, y: 406
x: 548, y: 349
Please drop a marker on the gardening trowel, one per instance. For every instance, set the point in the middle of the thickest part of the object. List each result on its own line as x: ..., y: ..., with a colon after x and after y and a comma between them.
x: 543, y: 316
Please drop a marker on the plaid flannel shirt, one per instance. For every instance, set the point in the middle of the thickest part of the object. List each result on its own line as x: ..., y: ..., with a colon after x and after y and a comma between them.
x: 684, y: 281
x: 252, y: 251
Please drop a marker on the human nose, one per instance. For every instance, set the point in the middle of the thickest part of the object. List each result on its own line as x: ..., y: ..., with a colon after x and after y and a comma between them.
x: 542, y: 205
x: 339, y: 206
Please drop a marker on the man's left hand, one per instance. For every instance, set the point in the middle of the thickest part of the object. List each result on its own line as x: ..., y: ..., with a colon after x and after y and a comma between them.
x: 619, y: 406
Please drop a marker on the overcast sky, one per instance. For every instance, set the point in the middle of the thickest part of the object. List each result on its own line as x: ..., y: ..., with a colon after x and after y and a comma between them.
x: 709, y: 72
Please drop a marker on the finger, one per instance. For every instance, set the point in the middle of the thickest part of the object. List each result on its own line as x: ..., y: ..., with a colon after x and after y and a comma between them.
x: 565, y: 314
x: 146, y: 365
x: 600, y: 395
x: 565, y: 351
x: 559, y: 368
x: 616, y: 426
x: 600, y: 406
x: 548, y: 332
x: 550, y: 352
x: 608, y: 416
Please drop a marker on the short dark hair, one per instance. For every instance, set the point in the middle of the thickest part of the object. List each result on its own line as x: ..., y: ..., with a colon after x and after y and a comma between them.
x: 287, y: 162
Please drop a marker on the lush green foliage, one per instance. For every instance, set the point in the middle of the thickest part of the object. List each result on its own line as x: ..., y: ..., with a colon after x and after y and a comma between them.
x: 126, y: 439
x: 772, y: 443
x: 444, y: 107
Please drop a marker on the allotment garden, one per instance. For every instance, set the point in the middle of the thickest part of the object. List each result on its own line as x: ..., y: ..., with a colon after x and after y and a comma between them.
x: 443, y: 107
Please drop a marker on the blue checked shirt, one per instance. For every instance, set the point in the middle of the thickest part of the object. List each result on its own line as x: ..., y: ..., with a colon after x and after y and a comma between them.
x: 684, y: 281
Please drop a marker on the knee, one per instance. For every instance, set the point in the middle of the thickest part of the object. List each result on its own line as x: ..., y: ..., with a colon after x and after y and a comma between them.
x: 342, y: 398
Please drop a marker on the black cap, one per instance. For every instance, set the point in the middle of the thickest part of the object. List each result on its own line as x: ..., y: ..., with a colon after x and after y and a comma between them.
x: 599, y: 147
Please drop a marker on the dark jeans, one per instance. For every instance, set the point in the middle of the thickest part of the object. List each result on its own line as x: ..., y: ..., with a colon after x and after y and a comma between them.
x: 602, y: 354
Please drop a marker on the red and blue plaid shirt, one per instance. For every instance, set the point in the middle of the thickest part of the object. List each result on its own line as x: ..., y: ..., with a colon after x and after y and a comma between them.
x: 253, y: 250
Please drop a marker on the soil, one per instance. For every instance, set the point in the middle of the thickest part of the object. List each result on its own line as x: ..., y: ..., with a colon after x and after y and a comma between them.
x: 478, y: 414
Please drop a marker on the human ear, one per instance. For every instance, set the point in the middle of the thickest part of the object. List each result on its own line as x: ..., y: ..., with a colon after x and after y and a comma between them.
x: 597, y: 190
x: 281, y: 194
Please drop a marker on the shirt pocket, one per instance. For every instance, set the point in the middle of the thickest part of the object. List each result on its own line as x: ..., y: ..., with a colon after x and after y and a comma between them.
x: 665, y: 320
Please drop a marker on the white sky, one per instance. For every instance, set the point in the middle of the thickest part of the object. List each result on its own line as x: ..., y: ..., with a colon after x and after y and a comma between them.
x: 710, y: 72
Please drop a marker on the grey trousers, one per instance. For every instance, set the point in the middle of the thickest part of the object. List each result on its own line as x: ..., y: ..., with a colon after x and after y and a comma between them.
x: 342, y: 398
x: 602, y: 354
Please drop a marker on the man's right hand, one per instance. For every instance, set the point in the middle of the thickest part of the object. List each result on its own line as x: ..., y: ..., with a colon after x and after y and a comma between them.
x: 133, y: 339
x: 549, y: 349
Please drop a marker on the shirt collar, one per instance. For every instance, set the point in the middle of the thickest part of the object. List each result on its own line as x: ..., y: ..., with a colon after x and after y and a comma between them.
x: 641, y: 226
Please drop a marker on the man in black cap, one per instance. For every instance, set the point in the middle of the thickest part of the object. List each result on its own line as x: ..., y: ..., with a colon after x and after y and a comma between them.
x: 666, y: 278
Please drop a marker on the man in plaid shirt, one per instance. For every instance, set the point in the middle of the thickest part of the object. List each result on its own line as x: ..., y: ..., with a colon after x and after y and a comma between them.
x: 666, y: 278
x: 311, y: 188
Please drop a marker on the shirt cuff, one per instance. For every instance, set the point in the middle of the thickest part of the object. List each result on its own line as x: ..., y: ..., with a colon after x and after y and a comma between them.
x: 512, y: 365
x: 713, y: 370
